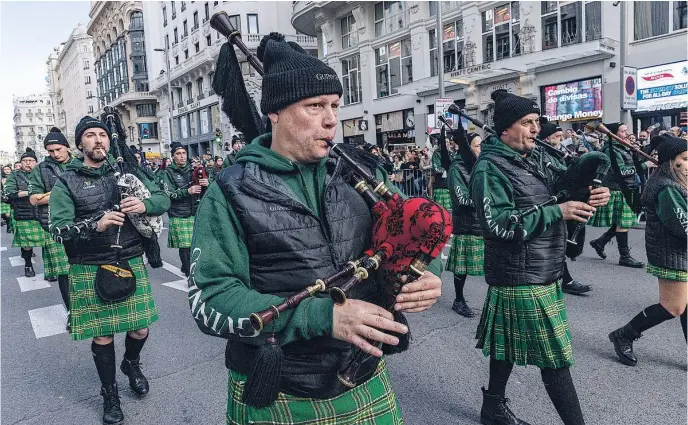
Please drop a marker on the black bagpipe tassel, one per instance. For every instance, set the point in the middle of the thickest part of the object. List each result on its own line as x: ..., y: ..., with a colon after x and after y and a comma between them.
x: 404, y: 339
x: 263, y: 380
x: 151, y: 247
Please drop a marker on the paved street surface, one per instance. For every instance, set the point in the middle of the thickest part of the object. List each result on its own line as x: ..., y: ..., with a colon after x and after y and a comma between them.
x: 49, y: 379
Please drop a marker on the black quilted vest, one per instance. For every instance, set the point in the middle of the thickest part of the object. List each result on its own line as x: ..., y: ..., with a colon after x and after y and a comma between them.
x: 289, y: 248
x: 50, y: 172
x: 92, y: 195
x: 664, y: 249
x: 613, y: 180
x: 535, y: 262
x: 186, y: 206
x: 464, y: 217
x: 23, y: 210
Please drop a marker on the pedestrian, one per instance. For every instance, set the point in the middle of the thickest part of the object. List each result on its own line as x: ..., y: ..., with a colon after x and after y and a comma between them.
x: 86, y: 188
x: 523, y: 319
x: 664, y: 199
x: 5, y: 205
x: 280, y: 218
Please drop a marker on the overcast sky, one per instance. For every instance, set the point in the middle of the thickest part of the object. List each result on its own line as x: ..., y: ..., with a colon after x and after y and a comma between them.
x: 28, y: 33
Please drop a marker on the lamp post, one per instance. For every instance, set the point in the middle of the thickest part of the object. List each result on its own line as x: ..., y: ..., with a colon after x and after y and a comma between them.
x: 169, y: 95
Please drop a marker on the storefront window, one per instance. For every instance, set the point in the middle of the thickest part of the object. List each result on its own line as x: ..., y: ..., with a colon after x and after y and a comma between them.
x: 193, y: 120
x: 351, y: 79
x: 393, y: 67
x: 205, y: 123
x: 184, y: 123
x: 215, y: 117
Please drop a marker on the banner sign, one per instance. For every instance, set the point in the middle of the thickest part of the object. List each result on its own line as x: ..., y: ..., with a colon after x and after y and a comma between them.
x: 579, y: 100
x: 663, y: 87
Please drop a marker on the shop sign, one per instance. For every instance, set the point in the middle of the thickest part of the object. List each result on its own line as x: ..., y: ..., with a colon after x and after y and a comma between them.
x: 663, y: 87
x: 573, y: 101
x: 471, y: 70
x: 629, y: 99
x: 195, y: 105
x: 510, y: 86
x: 353, y: 127
x: 442, y: 109
x: 392, y: 121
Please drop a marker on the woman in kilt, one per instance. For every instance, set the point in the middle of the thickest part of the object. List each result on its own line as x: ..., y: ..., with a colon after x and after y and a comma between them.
x: 27, y: 230
x: 664, y: 199
x: 5, y: 206
x: 523, y: 320
x: 88, y: 187
x: 617, y: 215
x: 467, y: 251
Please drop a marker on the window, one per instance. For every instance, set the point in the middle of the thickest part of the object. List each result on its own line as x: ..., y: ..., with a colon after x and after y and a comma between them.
x: 434, y: 66
x: 167, y: 41
x: 566, y: 23
x: 145, y: 110
x: 349, y: 33
x: 207, y: 12
x: 198, y: 47
x: 593, y: 20
x: 393, y: 67
x: 186, y: 54
x: 252, y: 23
x: 136, y: 20
x: 247, y: 69
x: 89, y: 94
x: 199, y: 85
x: 88, y: 79
x: 164, y: 16
x: 185, y: 33
x: 139, y: 63
x: 176, y: 60
x: 148, y: 130
x: 501, y: 28
x: 137, y: 42
x: 90, y: 109
x: 446, y: 6
x: 176, y: 36
x: 174, y: 9
x: 195, y: 20
x: 235, y: 21
x: 208, y: 40
x: 452, y: 45
x: 183, y: 6
x: 189, y: 92
x: 658, y: 18
x: 680, y: 15
x: 351, y: 80
x: 390, y: 16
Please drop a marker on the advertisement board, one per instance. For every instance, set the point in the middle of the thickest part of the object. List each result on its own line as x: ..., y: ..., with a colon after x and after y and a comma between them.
x: 663, y: 87
x: 578, y: 100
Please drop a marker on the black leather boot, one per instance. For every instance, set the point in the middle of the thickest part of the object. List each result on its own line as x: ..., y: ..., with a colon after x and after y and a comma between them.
x: 29, y: 272
x: 137, y: 382
x: 622, y: 339
x: 496, y: 412
x: 112, y: 411
x: 575, y: 288
x: 599, y: 243
x: 625, y: 258
x: 461, y: 308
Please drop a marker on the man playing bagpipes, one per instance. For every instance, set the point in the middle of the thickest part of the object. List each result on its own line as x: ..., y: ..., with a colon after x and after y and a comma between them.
x: 41, y: 181
x: 524, y: 318
x: 27, y: 231
x: 279, y: 219
x: 185, y: 194
x: 618, y: 215
x: 109, y: 289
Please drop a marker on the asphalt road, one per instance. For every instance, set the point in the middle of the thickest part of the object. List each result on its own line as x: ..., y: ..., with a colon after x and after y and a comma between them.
x: 48, y: 379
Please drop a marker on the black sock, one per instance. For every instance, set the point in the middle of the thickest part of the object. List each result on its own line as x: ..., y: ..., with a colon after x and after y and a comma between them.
x: 500, y: 371
x: 622, y: 240
x: 133, y: 347
x: 683, y: 323
x: 104, y: 358
x: 567, y: 275
x: 185, y: 257
x: 561, y: 391
x: 651, y: 316
x: 26, y: 254
x: 63, y: 283
x: 459, y: 282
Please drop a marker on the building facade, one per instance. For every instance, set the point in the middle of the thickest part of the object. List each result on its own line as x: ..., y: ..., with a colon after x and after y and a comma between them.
x: 6, y: 158
x: 33, y: 118
x: 565, y: 55
x: 120, y: 64
x: 191, y: 46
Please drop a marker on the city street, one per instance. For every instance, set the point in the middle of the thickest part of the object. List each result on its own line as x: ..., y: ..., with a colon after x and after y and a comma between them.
x: 50, y: 379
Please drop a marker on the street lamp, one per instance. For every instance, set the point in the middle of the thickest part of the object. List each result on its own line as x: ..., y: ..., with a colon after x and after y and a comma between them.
x: 169, y: 94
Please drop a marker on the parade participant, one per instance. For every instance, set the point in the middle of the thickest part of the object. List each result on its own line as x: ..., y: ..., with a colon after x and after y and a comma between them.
x: 18, y: 165
x: 184, y: 196
x: 524, y: 317
x: 41, y: 181
x: 617, y: 215
x: 89, y: 187
x: 27, y: 230
x: 466, y: 256
x: 440, y: 193
x: 231, y: 157
x: 272, y: 224
x: 664, y: 199
x: 5, y: 206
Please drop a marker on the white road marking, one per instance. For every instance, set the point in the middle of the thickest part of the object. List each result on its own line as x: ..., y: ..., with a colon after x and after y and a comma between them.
x: 48, y: 321
x: 3, y: 248
x: 181, y: 285
x: 32, y: 283
x: 16, y: 261
x: 173, y: 269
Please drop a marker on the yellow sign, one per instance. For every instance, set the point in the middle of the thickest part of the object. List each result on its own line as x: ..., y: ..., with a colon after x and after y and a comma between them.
x: 152, y: 155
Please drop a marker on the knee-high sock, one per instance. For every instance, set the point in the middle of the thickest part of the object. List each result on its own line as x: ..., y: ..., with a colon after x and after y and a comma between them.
x: 185, y: 257
x: 63, y: 283
x: 26, y: 254
x: 500, y: 371
x: 133, y: 347
x: 459, y: 282
x: 567, y: 274
x: 104, y: 358
x: 561, y: 391
x: 650, y: 317
x: 683, y: 324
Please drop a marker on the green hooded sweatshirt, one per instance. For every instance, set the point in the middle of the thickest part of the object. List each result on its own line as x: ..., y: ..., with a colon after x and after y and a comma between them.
x: 62, y: 211
x: 493, y: 196
x: 168, y: 185
x: 460, y: 193
x: 220, y: 293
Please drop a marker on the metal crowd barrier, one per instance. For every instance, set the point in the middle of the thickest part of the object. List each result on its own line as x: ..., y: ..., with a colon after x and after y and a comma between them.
x: 413, y: 182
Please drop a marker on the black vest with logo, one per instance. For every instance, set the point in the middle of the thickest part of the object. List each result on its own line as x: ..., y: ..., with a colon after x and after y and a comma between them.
x: 613, y: 180
x: 464, y: 217
x: 535, y: 262
x: 23, y: 210
x: 186, y: 206
x: 50, y: 172
x: 664, y: 249
x: 92, y: 195
x: 290, y: 248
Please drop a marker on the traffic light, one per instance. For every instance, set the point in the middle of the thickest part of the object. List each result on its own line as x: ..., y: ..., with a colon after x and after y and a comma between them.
x: 218, y: 136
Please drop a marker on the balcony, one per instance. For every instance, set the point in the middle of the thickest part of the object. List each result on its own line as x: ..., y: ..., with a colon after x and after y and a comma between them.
x: 200, y: 96
x: 189, y: 101
x: 194, y: 28
x: 211, y: 92
x: 180, y: 104
x: 304, y: 12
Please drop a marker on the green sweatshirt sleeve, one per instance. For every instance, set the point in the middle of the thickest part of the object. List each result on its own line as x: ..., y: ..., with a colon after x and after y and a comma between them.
x: 61, y: 209
x: 159, y: 202
x: 671, y: 209
x: 459, y: 190
x: 36, y: 186
x: 437, y: 162
x: 220, y: 293
x: 11, y: 189
x: 170, y: 189
x: 493, y: 198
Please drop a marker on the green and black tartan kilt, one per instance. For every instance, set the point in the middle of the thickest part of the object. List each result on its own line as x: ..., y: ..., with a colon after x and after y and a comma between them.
x: 28, y: 234
x: 669, y: 274
x: 616, y: 212
x: 467, y: 255
x: 442, y: 197
x: 91, y: 317
x: 371, y: 403
x: 4, y: 208
x: 526, y: 325
x: 180, y: 232
x: 55, y: 261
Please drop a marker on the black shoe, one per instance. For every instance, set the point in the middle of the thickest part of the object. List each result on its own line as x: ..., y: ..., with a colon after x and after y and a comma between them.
x: 112, y: 411
x: 599, y: 248
x: 627, y: 261
x: 622, y: 339
x: 137, y: 382
x: 575, y: 288
x: 28, y: 271
x: 496, y: 412
x: 461, y: 308
x: 51, y: 279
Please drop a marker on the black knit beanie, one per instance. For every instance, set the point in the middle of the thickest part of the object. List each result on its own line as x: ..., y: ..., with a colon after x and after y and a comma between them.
x: 613, y: 127
x: 292, y: 75
x: 471, y: 136
x: 55, y: 137
x: 175, y: 146
x: 29, y: 154
x: 547, y: 128
x: 510, y: 108
x: 86, y: 123
x: 669, y: 146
